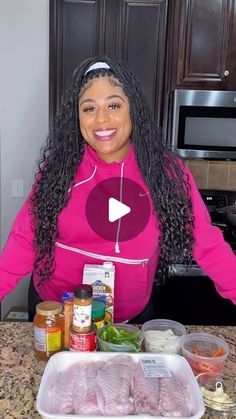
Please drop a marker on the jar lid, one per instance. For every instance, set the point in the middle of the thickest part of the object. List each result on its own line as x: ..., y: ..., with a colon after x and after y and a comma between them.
x: 98, y: 309
x: 48, y: 308
x: 83, y: 291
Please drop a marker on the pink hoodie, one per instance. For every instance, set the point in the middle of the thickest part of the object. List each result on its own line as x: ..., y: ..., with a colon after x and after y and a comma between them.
x: 135, y: 265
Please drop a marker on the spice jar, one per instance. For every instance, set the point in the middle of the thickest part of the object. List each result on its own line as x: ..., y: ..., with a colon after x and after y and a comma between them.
x: 67, y: 320
x: 98, y: 313
x: 47, y: 329
x: 82, y: 313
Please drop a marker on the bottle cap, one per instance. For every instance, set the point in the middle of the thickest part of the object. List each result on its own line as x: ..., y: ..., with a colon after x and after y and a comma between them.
x: 48, y: 308
x: 98, y: 309
x: 84, y: 291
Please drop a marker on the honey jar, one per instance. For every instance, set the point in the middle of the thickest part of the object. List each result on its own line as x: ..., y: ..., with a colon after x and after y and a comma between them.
x: 48, y: 329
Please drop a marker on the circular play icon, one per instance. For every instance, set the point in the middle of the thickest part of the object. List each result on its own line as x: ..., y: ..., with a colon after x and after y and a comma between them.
x: 118, y: 209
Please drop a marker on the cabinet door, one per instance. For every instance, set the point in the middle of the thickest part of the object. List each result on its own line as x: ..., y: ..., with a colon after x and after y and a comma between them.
x: 132, y: 30
x: 231, y: 79
x: 204, y: 43
x: 75, y: 34
x: 141, y: 41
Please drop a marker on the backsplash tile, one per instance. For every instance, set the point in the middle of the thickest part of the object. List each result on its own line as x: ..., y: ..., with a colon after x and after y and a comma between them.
x: 213, y: 174
x: 232, y: 176
x: 199, y: 170
x: 218, y: 175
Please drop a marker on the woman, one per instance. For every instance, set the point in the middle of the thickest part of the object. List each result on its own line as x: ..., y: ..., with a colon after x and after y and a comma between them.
x: 105, y: 130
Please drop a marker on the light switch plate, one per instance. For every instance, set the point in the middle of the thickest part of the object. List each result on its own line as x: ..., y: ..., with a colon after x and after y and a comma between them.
x: 17, y: 188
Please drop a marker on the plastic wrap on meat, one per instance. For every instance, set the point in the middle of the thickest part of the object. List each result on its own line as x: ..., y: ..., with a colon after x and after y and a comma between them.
x: 63, y: 391
x: 118, y: 387
x: 114, y: 382
x: 146, y: 393
x: 85, y: 399
x: 174, y: 398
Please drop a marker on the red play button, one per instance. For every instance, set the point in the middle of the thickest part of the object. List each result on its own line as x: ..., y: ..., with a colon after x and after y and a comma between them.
x: 118, y: 203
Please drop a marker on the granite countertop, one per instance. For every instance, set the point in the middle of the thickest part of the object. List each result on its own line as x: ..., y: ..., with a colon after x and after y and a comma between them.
x: 21, y: 372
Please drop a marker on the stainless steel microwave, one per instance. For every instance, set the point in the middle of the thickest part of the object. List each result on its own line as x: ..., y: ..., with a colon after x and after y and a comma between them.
x: 204, y: 124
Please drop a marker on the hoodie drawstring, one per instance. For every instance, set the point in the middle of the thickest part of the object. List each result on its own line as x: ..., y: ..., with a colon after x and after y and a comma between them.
x: 85, y: 180
x: 117, y: 246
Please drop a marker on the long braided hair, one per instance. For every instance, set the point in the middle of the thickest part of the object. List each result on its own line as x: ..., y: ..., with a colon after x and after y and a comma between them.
x: 162, y: 171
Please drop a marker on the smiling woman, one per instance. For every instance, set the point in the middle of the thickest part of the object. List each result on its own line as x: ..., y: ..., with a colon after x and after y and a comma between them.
x: 104, y: 116
x: 104, y: 140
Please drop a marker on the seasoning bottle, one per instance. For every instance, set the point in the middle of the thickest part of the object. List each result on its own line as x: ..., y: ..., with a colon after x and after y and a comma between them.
x: 82, y: 313
x: 47, y: 329
x: 67, y: 320
x: 98, y: 313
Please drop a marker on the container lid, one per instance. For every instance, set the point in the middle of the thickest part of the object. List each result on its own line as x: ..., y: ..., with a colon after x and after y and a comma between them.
x: 83, y: 291
x: 48, y: 308
x: 98, y: 309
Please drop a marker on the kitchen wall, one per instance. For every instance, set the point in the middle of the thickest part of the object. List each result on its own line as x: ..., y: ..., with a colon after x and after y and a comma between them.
x: 213, y: 174
x: 23, y: 109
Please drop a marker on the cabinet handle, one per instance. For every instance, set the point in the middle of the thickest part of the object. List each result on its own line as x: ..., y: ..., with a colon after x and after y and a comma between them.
x: 226, y: 73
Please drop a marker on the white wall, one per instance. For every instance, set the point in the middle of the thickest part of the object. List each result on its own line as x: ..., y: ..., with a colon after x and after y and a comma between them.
x: 24, y: 40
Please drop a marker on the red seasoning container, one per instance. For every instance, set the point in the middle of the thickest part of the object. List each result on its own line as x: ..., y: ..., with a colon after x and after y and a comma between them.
x: 84, y: 342
x: 83, y: 333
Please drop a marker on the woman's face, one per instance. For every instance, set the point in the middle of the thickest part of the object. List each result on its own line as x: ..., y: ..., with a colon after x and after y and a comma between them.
x: 104, y: 116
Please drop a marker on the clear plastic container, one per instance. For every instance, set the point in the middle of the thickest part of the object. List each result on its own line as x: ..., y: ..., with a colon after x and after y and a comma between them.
x: 125, y: 346
x: 219, y: 393
x: 162, y: 335
x: 204, y: 352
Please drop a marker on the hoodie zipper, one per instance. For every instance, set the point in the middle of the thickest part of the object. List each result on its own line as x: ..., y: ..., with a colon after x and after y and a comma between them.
x: 103, y: 257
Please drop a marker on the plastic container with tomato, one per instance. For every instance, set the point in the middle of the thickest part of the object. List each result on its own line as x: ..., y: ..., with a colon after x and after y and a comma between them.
x: 204, y: 352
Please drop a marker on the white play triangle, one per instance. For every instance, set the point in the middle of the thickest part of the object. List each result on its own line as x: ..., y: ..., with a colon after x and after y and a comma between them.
x: 117, y: 209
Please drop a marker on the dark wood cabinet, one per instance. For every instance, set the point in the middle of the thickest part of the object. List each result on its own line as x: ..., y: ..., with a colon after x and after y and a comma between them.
x: 169, y: 44
x: 132, y: 30
x: 203, y: 33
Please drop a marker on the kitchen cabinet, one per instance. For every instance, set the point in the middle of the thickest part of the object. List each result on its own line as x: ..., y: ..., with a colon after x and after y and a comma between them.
x: 132, y: 30
x: 202, y: 35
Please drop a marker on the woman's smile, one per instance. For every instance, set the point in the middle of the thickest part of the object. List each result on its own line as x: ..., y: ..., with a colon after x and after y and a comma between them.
x: 104, y: 134
x: 104, y: 116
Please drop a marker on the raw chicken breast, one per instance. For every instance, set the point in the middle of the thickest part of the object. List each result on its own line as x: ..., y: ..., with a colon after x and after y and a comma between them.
x: 85, y: 399
x: 113, y: 388
x: 63, y: 391
x: 145, y: 393
x: 174, y: 398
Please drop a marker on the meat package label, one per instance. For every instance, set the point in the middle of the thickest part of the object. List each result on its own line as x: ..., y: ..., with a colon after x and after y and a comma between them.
x: 154, y: 368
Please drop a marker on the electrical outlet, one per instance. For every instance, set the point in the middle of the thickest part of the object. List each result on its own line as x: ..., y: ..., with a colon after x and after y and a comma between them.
x: 17, y: 188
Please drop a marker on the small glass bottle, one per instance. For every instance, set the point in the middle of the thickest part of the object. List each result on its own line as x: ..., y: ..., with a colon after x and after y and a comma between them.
x: 47, y: 329
x: 82, y: 313
x: 98, y: 313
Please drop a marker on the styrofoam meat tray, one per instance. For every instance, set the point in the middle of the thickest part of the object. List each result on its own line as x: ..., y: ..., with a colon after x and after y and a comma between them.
x: 63, y: 360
